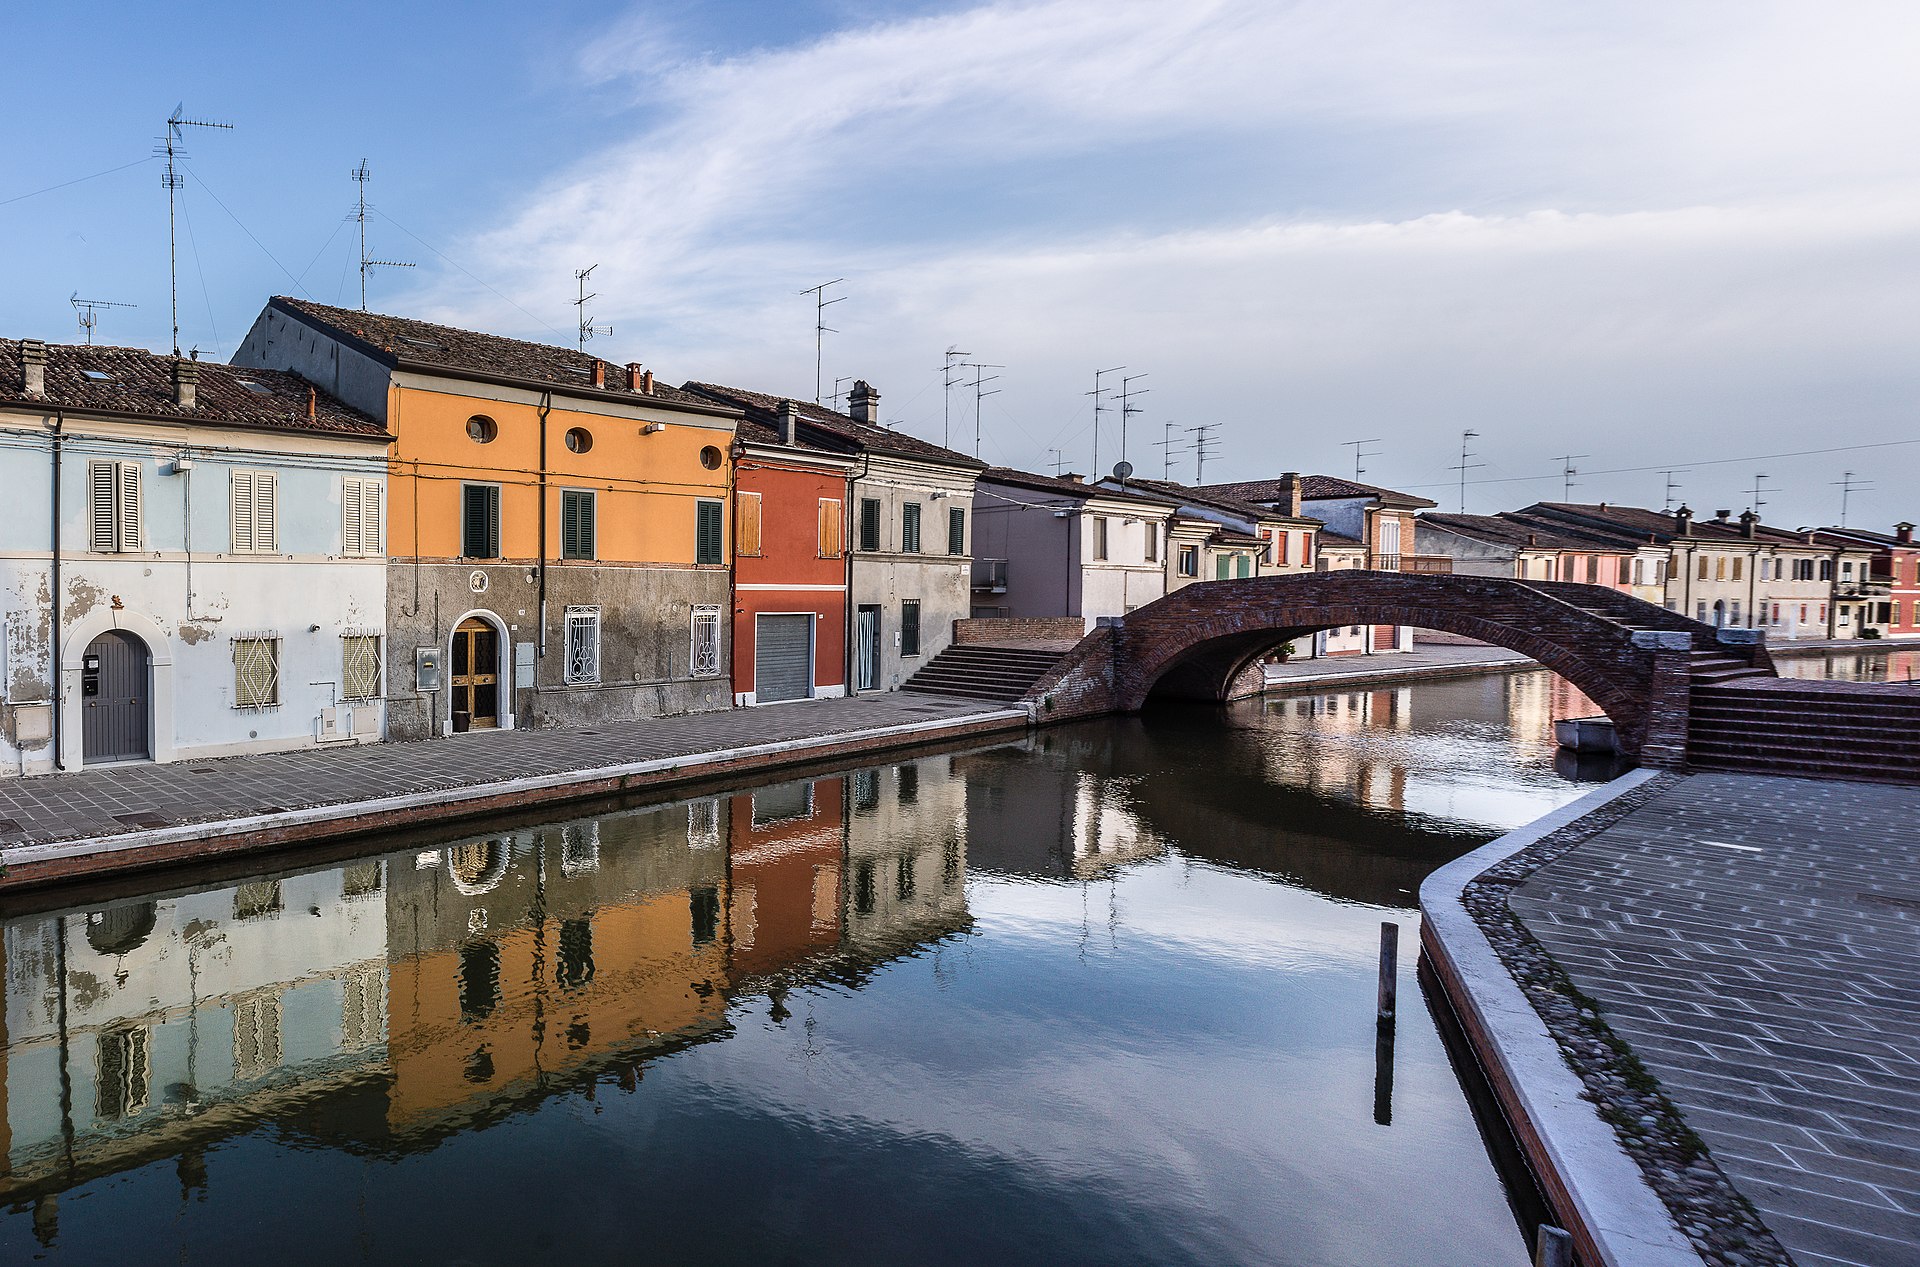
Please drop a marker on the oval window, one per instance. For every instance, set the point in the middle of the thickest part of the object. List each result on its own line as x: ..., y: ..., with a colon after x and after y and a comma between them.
x: 481, y: 429
x: 710, y: 458
x: 579, y: 439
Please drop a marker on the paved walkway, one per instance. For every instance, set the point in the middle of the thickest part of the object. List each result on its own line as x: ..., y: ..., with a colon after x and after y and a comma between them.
x: 1421, y: 660
x: 124, y: 799
x: 1757, y: 941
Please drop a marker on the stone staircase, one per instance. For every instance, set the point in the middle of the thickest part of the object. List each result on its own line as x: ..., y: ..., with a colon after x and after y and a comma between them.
x: 984, y: 670
x: 1815, y: 729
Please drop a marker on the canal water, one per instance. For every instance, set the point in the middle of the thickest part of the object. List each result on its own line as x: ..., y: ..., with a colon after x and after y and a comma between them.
x: 1100, y: 995
x: 1853, y: 666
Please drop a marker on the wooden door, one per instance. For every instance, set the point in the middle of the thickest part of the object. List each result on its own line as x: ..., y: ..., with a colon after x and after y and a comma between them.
x: 475, y: 675
x: 115, y: 699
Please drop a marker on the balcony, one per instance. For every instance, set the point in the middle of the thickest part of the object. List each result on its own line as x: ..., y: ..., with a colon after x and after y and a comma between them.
x: 1429, y: 563
x: 990, y: 576
x: 1872, y: 587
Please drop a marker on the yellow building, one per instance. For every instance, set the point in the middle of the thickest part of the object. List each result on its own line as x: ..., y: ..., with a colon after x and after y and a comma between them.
x: 556, y: 526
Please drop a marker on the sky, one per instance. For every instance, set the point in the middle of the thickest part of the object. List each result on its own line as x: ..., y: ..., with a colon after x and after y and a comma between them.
x: 1627, y: 238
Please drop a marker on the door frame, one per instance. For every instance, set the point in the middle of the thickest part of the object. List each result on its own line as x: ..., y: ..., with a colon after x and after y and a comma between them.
x: 879, y: 647
x: 503, y: 652
x: 80, y: 636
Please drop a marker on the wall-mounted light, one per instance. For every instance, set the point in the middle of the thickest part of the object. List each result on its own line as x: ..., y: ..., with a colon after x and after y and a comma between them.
x: 653, y: 428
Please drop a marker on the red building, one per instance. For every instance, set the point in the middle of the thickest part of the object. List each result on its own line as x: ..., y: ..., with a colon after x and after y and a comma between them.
x: 1891, y: 591
x: 790, y: 566
x: 784, y: 848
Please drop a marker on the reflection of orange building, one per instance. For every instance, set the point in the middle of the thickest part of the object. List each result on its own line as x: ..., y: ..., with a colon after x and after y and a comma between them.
x: 784, y: 882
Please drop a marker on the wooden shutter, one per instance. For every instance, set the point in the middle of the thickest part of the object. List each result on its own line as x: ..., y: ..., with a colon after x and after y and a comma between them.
x: 910, y: 528
x: 130, y: 532
x: 830, y: 528
x: 577, y: 525
x: 746, y: 533
x: 869, y: 523
x: 103, y: 499
x: 481, y: 522
x: 240, y: 510
x: 493, y: 522
x: 957, y: 531
x: 353, y: 537
x: 708, y: 534
x: 266, y: 512
x: 372, y: 517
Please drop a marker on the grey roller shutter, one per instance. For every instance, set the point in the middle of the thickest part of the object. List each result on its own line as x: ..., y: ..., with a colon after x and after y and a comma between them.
x: 782, y: 658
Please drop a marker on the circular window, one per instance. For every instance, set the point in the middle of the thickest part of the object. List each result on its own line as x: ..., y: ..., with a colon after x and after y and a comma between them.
x: 579, y: 439
x: 710, y: 458
x: 482, y: 429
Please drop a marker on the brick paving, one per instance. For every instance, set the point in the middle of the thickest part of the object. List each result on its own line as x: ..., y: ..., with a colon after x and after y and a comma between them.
x: 111, y: 800
x: 1756, y: 940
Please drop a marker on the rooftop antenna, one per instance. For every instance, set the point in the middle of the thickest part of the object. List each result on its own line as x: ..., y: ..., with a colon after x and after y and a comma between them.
x: 587, y: 328
x: 820, y: 327
x: 1847, y: 484
x: 1059, y: 461
x: 1127, y: 410
x: 1465, y: 466
x: 361, y: 175
x: 978, y: 395
x: 84, y: 310
x: 1202, y: 449
x: 947, y: 381
x: 1567, y: 472
x: 1360, y: 451
x: 1673, y: 486
x: 172, y: 144
x: 1097, y: 393
x: 1759, y: 501
x: 1168, y: 446
x: 839, y: 393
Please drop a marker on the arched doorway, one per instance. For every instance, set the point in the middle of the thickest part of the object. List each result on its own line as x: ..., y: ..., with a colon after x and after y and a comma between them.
x: 116, y: 699
x: 475, y: 675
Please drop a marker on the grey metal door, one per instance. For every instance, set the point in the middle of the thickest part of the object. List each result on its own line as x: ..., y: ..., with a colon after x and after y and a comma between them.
x: 782, y: 658
x: 115, y: 679
x: 866, y: 648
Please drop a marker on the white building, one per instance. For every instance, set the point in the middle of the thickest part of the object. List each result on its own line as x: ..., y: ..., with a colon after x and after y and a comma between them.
x: 1055, y: 546
x: 194, y: 560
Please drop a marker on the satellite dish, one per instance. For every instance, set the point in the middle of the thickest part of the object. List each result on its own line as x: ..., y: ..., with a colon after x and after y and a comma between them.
x: 1123, y: 471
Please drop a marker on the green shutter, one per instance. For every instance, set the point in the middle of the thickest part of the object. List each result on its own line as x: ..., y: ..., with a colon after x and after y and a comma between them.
x: 480, y: 529
x: 956, y: 531
x: 869, y: 523
x: 576, y: 525
x: 707, y: 535
x: 910, y: 528
x: 910, y: 627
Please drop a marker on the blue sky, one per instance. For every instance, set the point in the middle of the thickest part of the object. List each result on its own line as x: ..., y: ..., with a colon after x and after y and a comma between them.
x: 1644, y: 233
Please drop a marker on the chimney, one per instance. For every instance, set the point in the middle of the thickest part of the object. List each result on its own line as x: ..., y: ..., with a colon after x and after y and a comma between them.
x: 646, y: 382
x: 186, y: 381
x: 33, y: 367
x: 599, y: 372
x: 1683, y: 522
x: 864, y: 403
x: 1748, y: 523
x: 789, y: 421
x: 313, y: 403
x: 1903, y: 533
x: 1290, y: 494
x: 634, y: 376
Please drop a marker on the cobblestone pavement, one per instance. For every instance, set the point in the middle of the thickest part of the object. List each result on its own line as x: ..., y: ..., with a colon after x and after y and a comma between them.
x: 1757, y: 941
x: 110, y: 800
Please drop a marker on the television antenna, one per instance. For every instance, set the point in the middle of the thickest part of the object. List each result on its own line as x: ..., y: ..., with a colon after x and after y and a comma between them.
x: 1128, y: 410
x: 173, y: 145
x: 1168, y: 447
x: 1097, y: 393
x: 1203, y: 443
x: 84, y: 310
x: 1465, y: 466
x: 361, y: 175
x: 1673, y: 486
x: 587, y: 328
x: 978, y: 395
x: 1848, y: 485
x: 839, y: 393
x: 1360, y: 450
x: 1058, y: 461
x: 1758, y: 501
x: 1567, y: 472
x: 947, y: 380
x: 820, y: 327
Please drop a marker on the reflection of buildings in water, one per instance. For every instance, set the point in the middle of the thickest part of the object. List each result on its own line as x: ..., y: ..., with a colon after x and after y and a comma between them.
x: 906, y: 857
x: 1352, y: 755
x: 1037, y: 809
x: 1536, y: 700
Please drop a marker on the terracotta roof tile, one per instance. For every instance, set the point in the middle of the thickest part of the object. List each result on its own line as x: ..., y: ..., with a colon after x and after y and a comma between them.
x: 1315, y: 487
x: 1063, y: 485
x: 829, y: 429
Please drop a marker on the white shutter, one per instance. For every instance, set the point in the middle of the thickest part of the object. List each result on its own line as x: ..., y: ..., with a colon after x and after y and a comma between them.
x: 102, y: 499
x: 352, y: 536
x: 266, y: 512
x: 371, y: 520
x: 240, y: 509
x: 129, y: 507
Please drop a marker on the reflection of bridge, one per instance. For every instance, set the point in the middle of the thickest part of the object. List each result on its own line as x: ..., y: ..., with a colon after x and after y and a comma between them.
x: 1678, y: 691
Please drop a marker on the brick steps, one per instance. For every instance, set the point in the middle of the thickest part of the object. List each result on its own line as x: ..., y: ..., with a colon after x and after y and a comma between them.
x: 983, y: 672
x: 1820, y: 731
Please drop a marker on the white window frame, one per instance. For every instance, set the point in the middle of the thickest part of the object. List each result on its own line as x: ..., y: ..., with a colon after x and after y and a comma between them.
x: 115, y: 527
x: 582, y: 644
x: 253, y: 500
x: 703, y: 658
x: 264, y: 643
x: 347, y: 660
x: 362, y: 523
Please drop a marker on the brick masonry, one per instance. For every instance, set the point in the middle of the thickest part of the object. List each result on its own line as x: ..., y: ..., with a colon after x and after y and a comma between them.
x: 1019, y: 629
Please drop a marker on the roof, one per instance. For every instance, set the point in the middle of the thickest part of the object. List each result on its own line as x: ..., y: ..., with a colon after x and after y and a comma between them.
x: 139, y: 383
x: 1228, y: 537
x: 1862, y: 537
x: 404, y: 342
x: 1064, y: 486
x: 1315, y: 488
x: 1636, y: 525
x: 1520, y: 533
x: 829, y: 429
x: 1339, y: 541
x: 1208, y: 497
x: 753, y: 431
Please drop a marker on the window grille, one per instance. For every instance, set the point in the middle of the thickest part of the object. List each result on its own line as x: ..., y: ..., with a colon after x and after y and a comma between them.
x: 113, y: 509
x: 256, y: 672
x: 583, y: 645
x: 870, y: 523
x: 910, y: 626
x: 577, y: 535
x: 479, y: 521
x: 709, y: 533
x: 830, y: 544
x: 910, y: 528
x: 253, y: 504
x: 360, y: 666
x: 360, y: 510
x: 705, y: 661
x: 957, y: 531
x: 746, y: 533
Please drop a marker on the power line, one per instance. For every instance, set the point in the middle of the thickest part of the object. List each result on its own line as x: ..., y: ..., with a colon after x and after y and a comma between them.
x: 1567, y: 472
x: 1636, y: 470
x: 77, y: 180
x: 478, y: 281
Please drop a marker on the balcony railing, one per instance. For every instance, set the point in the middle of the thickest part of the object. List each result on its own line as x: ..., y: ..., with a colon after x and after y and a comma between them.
x: 990, y: 576
x: 1409, y: 563
x: 1873, y: 587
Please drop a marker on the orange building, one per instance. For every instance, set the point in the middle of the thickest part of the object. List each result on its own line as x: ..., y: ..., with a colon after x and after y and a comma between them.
x: 556, y: 527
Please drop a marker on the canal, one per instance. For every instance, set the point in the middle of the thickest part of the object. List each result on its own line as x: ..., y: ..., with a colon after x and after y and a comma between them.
x: 1100, y: 995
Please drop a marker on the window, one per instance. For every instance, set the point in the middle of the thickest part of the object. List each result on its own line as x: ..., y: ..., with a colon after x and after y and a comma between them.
x: 830, y: 544
x: 252, y: 500
x: 1737, y: 562
x: 360, y: 666
x: 479, y: 521
x: 1189, y: 560
x: 482, y: 429
x: 710, y: 458
x: 256, y: 672
x: 1826, y: 569
x: 579, y: 439
x: 1733, y: 613
x: 869, y: 523
x: 577, y: 535
x: 956, y: 530
x: 1639, y: 571
x: 746, y: 524
x: 583, y: 646
x: 910, y: 528
x: 1099, y: 537
x: 705, y: 661
x: 1593, y: 569
x: 1703, y: 567
x: 114, y: 506
x: 709, y: 533
x: 1846, y: 570
x: 1222, y: 566
x: 1279, y: 547
x: 1243, y: 565
x: 910, y: 626
x: 360, y: 506
x: 1720, y: 567
x: 1153, y: 543
x: 1700, y: 611
x: 96, y: 376
x: 1306, y: 548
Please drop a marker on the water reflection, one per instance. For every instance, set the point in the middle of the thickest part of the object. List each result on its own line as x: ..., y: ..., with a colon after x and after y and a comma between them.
x: 1854, y: 666
x: 1100, y: 995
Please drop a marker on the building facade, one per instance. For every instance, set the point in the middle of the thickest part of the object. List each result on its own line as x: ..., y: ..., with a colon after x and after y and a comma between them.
x: 1885, y: 592
x: 558, y: 528
x: 192, y: 562
x: 1494, y: 545
x: 1056, y: 546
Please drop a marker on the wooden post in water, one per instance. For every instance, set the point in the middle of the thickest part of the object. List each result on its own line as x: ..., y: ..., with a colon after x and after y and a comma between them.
x: 1389, y: 975
x: 1554, y: 1248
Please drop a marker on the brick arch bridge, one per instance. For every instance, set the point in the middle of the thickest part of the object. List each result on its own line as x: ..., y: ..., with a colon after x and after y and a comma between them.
x: 1638, y: 662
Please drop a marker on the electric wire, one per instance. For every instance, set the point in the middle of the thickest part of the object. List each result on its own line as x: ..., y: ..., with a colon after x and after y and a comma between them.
x: 456, y: 264
x: 244, y: 229
x: 78, y: 180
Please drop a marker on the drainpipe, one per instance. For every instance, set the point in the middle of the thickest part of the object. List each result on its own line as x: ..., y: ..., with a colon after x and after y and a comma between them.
x: 53, y: 653
x: 849, y: 652
x: 546, y: 407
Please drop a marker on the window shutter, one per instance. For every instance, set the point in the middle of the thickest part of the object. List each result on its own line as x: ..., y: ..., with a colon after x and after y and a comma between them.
x: 869, y: 523
x: 103, y: 497
x: 957, y: 531
x: 240, y: 509
x: 829, y: 528
x: 746, y: 539
x: 910, y: 528
x: 708, y: 533
x: 266, y: 512
x: 372, y: 517
x: 352, y: 531
x: 492, y: 501
x: 130, y: 535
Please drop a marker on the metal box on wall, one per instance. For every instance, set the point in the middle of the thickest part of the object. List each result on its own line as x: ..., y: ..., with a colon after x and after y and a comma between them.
x: 426, y: 669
